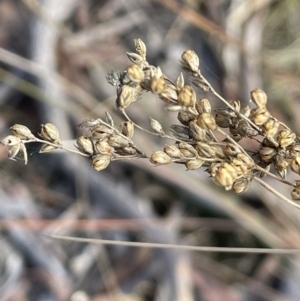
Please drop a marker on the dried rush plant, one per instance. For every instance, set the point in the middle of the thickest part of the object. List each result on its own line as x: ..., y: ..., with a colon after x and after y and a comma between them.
x: 195, y: 143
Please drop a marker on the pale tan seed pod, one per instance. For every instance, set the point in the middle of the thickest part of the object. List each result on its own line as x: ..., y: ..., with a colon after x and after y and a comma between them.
x: 103, y: 147
x: 203, y: 106
x: 14, y: 151
x: 204, y: 150
x: 231, y: 150
x: 190, y: 60
x: 180, y: 81
x: 246, y: 160
x: 280, y: 165
x: 21, y: 132
x: 101, y: 132
x: 295, y: 194
x: 169, y: 94
x: 180, y: 131
x: 46, y: 148
x: 222, y: 120
x: 187, y: 150
x: 156, y: 126
x: 196, y: 131
x: 135, y: 58
x: 125, y: 151
x: 239, y: 166
x: 259, y: 97
x: 259, y: 116
x: 246, y: 111
x: 245, y: 130
x: 267, y: 154
x: 213, y: 167
x: 186, y: 96
x: 50, y: 132
x: 185, y: 117
x: 295, y: 165
x: 135, y: 73
x: 294, y: 150
x: 89, y: 123
x: 193, y: 164
x: 11, y: 140
x: 160, y: 158
x: 85, y: 145
x: 231, y: 169
x: 207, y: 122
x: 158, y: 84
x: 236, y: 104
x: 141, y: 48
x: 219, y: 152
x: 24, y: 152
x: 241, y: 185
x: 173, y: 151
x: 286, y: 137
x: 100, y: 162
x: 270, y: 127
x: 124, y: 97
x: 117, y: 141
x: 224, y: 178
x: 127, y: 128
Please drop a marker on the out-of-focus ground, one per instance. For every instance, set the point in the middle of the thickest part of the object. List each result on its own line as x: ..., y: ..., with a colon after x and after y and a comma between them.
x: 54, y: 56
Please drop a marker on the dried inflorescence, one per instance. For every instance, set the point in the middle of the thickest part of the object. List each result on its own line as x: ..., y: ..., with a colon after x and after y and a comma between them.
x: 195, y: 144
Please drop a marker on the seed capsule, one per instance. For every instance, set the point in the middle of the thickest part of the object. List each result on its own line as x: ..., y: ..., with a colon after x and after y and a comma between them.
x: 14, y: 151
x: 193, y: 164
x: 259, y: 97
x: 46, y: 148
x: 124, y: 97
x: 100, y: 162
x: 187, y: 150
x: 21, y: 132
x: 85, y: 145
x: 158, y: 84
x: 50, y: 132
x: 103, y: 147
x: 156, y: 126
x: 222, y: 120
x: 203, y: 106
x: 127, y: 128
x: 295, y: 194
x: 205, y: 150
x: 173, y: 151
x: 224, y: 178
x: 241, y: 185
x: 135, y: 58
x: 231, y: 149
x: 190, y: 60
x: 280, y: 165
x: 286, y: 138
x: 125, y: 151
x: 196, y: 131
x: 117, y: 141
x: 259, y: 115
x: 187, y: 96
x: 159, y: 158
x: 11, y: 140
x: 140, y: 47
x: 207, y: 122
x: 185, y: 117
x: 135, y: 73
x: 180, y: 81
x: 295, y: 165
x: 270, y: 127
x: 267, y: 154
x: 169, y: 94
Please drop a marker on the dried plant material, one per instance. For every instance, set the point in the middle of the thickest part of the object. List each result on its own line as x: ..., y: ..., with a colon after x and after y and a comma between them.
x: 180, y: 132
x: 180, y: 81
x: 158, y: 84
x: 24, y: 152
x: 100, y: 162
x: 270, y: 127
x: 159, y: 158
x: 173, y: 151
x: 259, y: 116
x: 241, y: 185
x: 91, y: 122
x: 286, y: 138
x: 267, y: 154
x: 109, y: 119
x: 231, y: 149
x: 295, y: 194
x: 259, y: 97
x: 21, y: 132
x: 126, y: 151
x: 207, y: 122
x: 196, y: 131
x: 46, y: 148
x: 11, y: 140
x: 135, y: 73
x: 204, y: 150
x: 127, y: 128
x: 14, y: 150
x: 187, y: 150
x: 135, y: 58
x: 281, y: 165
x: 236, y: 104
x: 156, y: 126
x: 201, y: 84
x: 186, y: 97
x: 169, y: 94
x: 193, y: 164
x: 190, y: 60
x: 185, y: 117
x: 222, y: 120
x: 203, y: 106
x: 50, y: 132
x: 141, y: 48
x: 117, y: 141
x: 85, y: 145
x: 103, y: 147
x: 295, y: 165
x: 225, y: 177
x: 125, y: 97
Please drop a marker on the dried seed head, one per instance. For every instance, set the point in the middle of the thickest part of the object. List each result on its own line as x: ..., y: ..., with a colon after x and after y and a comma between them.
x: 193, y: 164
x: 11, y: 140
x: 294, y: 150
x: 135, y: 73
x: 267, y: 154
x: 173, y: 151
x: 270, y: 127
x: 196, y: 131
x: 295, y: 194
x: 246, y: 111
x: 249, y: 163
x: 50, y: 132
x: 295, y: 165
x: 222, y: 120
x: 281, y: 165
x: 239, y: 166
x: 236, y: 104
x: 101, y: 129
x: 203, y: 106
x: 231, y: 150
x: 24, y: 152
x: 141, y: 48
x: 245, y: 130
x: 21, y: 132
x: 187, y: 96
x: 125, y: 96
x: 199, y: 82
x: 117, y: 141
x: 259, y: 115
x: 127, y: 128
x: 135, y: 58
x: 14, y: 151
x: 180, y: 81
x: 88, y: 123
x: 100, y: 162
x: 190, y: 60
x: 218, y: 151
x: 241, y: 185
x: 85, y: 145
x: 286, y: 138
x: 156, y: 126
x: 207, y: 122
x: 187, y: 150
x: 169, y: 94
x: 185, y: 117
x: 259, y: 97
x: 125, y: 151
x: 204, y: 150
x: 158, y: 84
x: 224, y: 178
x: 46, y: 148
x: 103, y: 147
x: 180, y: 131
x: 213, y: 167
x: 159, y: 158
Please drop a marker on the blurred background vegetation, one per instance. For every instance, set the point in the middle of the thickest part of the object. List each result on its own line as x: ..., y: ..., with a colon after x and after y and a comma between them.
x: 54, y: 56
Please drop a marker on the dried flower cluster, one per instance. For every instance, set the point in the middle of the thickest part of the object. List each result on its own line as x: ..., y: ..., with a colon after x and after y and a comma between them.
x: 195, y: 143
